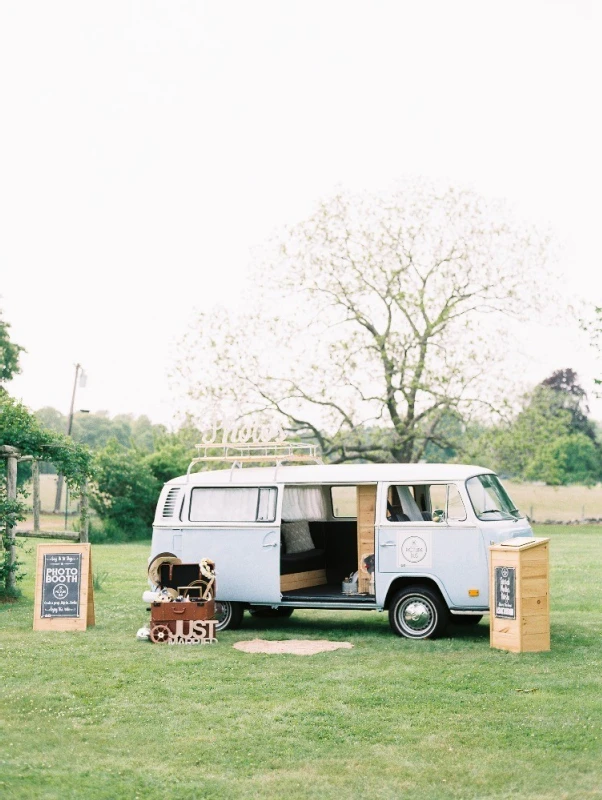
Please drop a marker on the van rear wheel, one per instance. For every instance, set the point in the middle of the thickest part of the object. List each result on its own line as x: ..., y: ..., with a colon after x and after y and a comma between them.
x: 228, y: 615
x: 417, y: 612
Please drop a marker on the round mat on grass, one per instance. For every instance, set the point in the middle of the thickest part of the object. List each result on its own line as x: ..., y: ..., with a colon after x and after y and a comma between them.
x: 298, y: 647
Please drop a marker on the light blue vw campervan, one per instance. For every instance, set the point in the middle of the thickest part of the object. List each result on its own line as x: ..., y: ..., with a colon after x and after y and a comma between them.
x: 411, y: 539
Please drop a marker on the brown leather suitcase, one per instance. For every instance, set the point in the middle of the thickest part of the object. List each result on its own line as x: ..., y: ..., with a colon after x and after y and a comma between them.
x: 171, y: 612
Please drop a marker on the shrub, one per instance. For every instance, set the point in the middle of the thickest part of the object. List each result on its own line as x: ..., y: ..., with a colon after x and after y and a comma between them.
x: 124, y: 495
x: 170, y: 459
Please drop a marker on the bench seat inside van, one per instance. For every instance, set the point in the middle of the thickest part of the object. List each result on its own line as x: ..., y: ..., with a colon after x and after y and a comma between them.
x: 302, y: 562
x: 332, y: 557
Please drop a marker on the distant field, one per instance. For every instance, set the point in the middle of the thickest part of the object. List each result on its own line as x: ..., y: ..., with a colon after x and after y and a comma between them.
x: 48, y: 493
x: 48, y: 520
x: 560, y: 503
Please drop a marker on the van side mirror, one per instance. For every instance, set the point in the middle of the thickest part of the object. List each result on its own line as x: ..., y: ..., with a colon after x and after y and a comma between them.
x: 438, y: 515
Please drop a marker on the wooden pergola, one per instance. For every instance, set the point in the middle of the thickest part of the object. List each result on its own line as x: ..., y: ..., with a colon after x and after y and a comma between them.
x: 12, y: 456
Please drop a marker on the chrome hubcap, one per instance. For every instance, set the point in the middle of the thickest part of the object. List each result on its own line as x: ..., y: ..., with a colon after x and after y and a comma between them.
x: 416, y: 615
x: 223, y: 613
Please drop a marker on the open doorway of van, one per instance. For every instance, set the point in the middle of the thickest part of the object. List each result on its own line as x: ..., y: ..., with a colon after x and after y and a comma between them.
x: 327, y: 536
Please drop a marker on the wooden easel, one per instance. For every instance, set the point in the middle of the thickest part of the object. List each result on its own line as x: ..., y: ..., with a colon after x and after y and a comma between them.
x: 64, y: 596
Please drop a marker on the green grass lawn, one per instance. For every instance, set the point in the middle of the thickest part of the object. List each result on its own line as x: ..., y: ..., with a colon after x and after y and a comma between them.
x: 102, y: 715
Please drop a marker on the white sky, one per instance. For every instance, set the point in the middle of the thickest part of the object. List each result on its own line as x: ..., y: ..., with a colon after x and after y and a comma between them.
x: 147, y: 147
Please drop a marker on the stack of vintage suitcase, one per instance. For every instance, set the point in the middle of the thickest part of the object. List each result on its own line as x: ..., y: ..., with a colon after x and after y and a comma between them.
x: 196, y: 591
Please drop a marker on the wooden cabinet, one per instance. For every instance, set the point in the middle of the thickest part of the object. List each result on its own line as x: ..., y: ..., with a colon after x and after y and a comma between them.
x: 519, y: 595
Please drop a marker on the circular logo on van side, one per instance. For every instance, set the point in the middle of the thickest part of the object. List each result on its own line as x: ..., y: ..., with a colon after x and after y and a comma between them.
x: 414, y: 549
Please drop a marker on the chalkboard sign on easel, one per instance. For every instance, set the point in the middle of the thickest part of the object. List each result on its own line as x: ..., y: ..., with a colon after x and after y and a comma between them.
x: 64, y: 599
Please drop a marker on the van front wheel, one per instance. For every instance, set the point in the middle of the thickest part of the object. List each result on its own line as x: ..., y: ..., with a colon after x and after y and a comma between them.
x: 418, y: 612
x: 228, y: 615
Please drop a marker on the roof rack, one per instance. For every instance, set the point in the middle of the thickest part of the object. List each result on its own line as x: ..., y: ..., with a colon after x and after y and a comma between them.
x: 238, y: 454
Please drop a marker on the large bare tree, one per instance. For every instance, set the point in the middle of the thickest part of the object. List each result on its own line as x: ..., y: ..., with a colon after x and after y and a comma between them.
x: 367, y: 327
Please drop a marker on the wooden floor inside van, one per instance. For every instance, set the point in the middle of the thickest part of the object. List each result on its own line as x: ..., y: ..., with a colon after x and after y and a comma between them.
x: 302, y: 580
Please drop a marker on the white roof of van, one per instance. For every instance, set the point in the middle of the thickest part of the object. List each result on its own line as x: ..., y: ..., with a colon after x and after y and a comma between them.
x: 334, y: 473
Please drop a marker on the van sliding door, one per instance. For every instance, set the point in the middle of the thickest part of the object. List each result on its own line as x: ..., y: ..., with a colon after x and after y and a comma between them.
x: 244, y: 541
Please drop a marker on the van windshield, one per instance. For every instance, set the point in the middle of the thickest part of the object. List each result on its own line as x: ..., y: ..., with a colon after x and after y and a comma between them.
x: 490, y: 500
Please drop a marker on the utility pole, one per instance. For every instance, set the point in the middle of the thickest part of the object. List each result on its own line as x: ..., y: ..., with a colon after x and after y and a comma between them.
x: 59, y: 481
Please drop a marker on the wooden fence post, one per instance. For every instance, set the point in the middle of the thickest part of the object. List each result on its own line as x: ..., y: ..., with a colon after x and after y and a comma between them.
x: 84, y: 515
x: 11, y: 454
x: 35, y: 479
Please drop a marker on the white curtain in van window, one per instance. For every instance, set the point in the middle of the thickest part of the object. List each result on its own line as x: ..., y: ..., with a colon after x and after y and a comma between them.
x: 408, y: 504
x: 223, y: 505
x: 303, y: 502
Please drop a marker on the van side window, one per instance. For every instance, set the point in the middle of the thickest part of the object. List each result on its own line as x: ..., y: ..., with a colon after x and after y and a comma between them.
x: 423, y: 503
x: 455, y: 506
x: 304, y: 502
x: 402, y: 505
x: 438, y: 500
x: 233, y: 504
x: 344, y: 501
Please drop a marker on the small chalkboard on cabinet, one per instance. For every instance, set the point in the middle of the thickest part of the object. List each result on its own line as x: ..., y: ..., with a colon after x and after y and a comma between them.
x: 64, y: 598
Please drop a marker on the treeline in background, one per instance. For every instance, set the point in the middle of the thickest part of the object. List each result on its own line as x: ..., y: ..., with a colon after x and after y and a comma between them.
x: 549, y: 440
